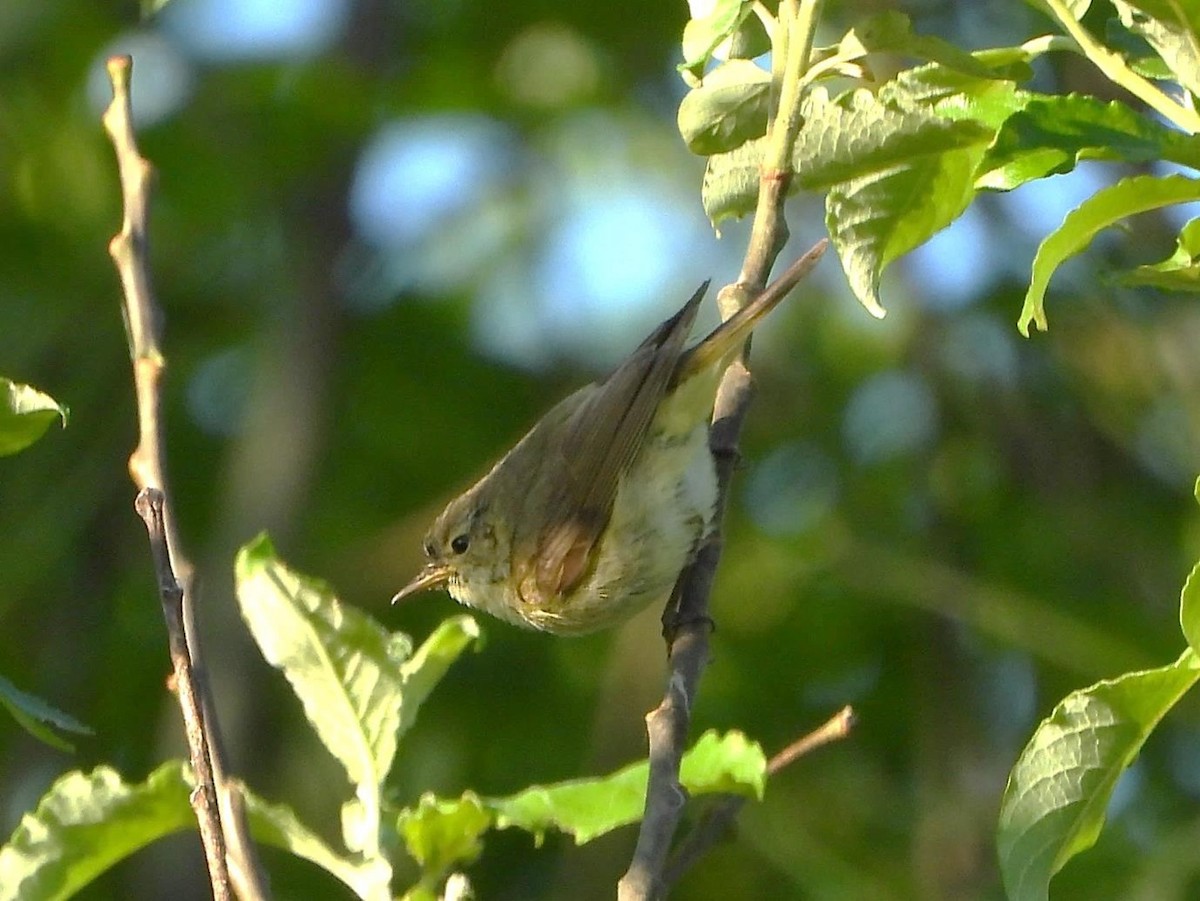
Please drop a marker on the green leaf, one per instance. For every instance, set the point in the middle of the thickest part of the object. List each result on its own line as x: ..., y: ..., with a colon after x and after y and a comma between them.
x: 701, y: 36
x: 1054, y: 804
x: 35, y: 715
x: 1180, y: 271
x: 860, y: 135
x: 730, y: 186
x: 343, y: 666
x: 582, y: 808
x: 726, y: 764
x: 1189, y: 602
x: 1171, y: 28
x: 1050, y: 134
x: 440, y: 834
x: 1108, y: 205
x: 588, y: 808
x: 421, y: 673
x: 855, y: 136
x: 443, y: 833
x: 891, y: 32
x: 954, y: 95
x: 86, y: 823
x: 727, y: 109
x: 277, y: 825
x: 874, y: 220
x: 25, y: 414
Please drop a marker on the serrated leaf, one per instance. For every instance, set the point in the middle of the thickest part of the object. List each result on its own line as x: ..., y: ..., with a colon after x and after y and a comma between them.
x: 36, y: 716
x: 727, y: 109
x: 730, y: 186
x: 1107, y: 206
x: 859, y: 135
x: 1180, y: 271
x: 588, y: 808
x: 86, y: 823
x: 855, y: 136
x: 582, y: 808
x: 440, y: 834
x: 1171, y: 28
x: 25, y: 414
x: 953, y: 95
x: 277, y: 825
x: 1054, y: 804
x: 725, y: 764
x: 1050, y: 134
x: 343, y: 666
x: 875, y: 220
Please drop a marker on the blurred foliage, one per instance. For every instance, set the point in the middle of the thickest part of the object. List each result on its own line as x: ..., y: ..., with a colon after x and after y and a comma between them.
x: 941, y: 523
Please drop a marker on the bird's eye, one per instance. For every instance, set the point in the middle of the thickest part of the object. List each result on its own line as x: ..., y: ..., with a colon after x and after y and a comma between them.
x: 460, y: 543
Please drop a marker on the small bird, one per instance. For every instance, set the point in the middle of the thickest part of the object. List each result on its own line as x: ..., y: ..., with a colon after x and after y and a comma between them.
x: 595, y: 512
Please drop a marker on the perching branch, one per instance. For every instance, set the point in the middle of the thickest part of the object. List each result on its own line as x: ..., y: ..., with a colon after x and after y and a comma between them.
x: 686, y: 620
x: 216, y: 800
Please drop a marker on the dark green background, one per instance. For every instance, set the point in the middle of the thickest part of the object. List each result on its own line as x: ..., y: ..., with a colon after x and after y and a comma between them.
x: 1035, y: 542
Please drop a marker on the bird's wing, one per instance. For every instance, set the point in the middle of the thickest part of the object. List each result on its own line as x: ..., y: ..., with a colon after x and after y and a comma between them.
x: 601, y: 437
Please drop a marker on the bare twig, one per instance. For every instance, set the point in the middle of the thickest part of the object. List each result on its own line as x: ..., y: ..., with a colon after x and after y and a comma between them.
x: 687, y: 619
x: 718, y: 819
x: 149, y: 506
x: 216, y: 800
x: 834, y: 729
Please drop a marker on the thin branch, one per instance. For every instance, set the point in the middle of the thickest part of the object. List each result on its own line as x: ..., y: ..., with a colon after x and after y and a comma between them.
x: 149, y: 505
x: 718, y: 819
x: 217, y: 801
x: 686, y: 621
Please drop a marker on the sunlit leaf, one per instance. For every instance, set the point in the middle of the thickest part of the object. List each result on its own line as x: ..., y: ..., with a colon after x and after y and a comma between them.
x: 955, y: 95
x: 1055, y: 801
x: 1189, y: 603
x: 440, y: 834
x: 702, y: 35
x: 421, y: 673
x: 856, y: 136
x: 86, y: 823
x: 25, y: 414
x: 343, y: 666
x: 443, y: 833
x: 36, y: 716
x: 876, y: 219
x: 1108, y: 205
x: 1180, y: 271
x: 587, y: 808
x: 1050, y: 134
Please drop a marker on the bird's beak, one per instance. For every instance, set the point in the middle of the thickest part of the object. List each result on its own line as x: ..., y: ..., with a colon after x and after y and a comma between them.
x: 433, y: 575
